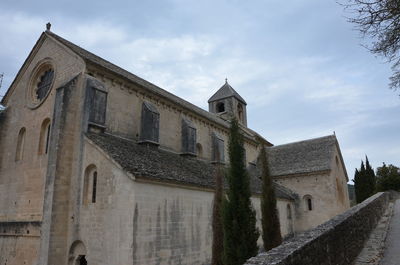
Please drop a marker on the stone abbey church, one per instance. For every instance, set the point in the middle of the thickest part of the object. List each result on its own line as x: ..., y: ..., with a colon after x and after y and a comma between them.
x: 101, y: 167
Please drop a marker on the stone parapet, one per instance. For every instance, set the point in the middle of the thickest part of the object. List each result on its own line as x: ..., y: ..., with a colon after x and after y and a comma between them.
x: 338, y: 241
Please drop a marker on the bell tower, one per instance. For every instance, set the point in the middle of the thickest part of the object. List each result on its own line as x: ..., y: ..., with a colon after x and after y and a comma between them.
x: 227, y: 103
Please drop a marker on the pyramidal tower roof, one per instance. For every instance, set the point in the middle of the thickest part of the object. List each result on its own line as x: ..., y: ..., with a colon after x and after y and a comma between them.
x: 226, y: 91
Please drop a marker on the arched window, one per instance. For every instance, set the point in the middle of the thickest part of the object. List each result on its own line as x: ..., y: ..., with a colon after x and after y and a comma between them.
x: 220, y: 107
x: 289, y: 212
x: 90, y: 185
x: 240, y: 112
x: 44, y: 137
x: 20, y: 144
x: 308, y: 203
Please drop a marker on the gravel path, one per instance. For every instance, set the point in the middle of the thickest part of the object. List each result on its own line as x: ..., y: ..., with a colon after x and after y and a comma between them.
x: 392, y: 252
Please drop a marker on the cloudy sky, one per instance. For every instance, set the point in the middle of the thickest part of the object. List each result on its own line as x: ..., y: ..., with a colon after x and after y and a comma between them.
x: 298, y: 64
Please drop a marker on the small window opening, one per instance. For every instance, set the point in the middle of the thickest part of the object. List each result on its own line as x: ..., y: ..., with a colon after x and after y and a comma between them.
x: 240, y: 112
x: 289, y: 212
x: 94, y: 187
x: 90, y: 185
x: 308, y: 203
x: 220, y: 107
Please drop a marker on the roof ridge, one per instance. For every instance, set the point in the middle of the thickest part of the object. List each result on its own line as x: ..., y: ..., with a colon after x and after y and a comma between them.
x: 305, y: 141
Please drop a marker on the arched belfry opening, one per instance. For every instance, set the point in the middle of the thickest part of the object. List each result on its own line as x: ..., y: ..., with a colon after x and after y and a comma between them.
x: 227, y: 103
x: 220, y: 107
x: 240, y: 112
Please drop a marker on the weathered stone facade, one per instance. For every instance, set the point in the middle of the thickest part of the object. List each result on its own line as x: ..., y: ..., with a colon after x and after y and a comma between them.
x: 107, y: 168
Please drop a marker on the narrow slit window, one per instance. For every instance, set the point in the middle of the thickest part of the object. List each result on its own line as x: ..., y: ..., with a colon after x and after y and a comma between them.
x: 47, y: 139
x: 308, y: 203
x: 289, y: 212
x: 94, y: 189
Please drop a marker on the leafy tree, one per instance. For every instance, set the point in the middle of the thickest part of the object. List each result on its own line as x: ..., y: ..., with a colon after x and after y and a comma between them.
x: 271, y: 232
x: 218, y: 233
x: 380, y: 20
x: 388, y: 178
x: 239, y: 217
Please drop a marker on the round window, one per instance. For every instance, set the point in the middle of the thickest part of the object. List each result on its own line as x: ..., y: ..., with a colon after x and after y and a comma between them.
x: 41, y: 83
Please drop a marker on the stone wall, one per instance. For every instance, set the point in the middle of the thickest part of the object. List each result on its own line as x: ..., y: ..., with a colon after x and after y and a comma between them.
x: 337, y: 241
x: 141, y: 222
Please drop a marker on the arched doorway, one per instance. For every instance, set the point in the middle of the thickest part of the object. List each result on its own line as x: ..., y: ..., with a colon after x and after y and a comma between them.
x: 81, y: 260
x: 77, y: 254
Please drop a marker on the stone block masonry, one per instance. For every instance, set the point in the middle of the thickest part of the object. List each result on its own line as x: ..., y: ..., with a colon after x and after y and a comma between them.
x: 337, y: 241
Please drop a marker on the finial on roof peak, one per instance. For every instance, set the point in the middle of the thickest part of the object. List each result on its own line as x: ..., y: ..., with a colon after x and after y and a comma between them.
x: 226, y: 80
x: 48, y: 26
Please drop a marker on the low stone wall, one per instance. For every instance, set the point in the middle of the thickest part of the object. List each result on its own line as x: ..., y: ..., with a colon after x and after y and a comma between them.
x: 335, y: 242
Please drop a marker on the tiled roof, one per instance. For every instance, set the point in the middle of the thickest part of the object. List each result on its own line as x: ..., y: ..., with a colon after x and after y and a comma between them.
x: 224, y: 92
x: 159, y: 165
x: 307, y: 156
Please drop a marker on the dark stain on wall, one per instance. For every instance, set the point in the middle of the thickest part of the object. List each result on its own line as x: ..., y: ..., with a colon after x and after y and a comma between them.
x: 134, y: 234
x: 177, y: 234
x: 158, y: 236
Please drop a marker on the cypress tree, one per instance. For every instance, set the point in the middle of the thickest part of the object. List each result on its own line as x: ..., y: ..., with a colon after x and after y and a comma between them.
x: 363, y: 184
x: 218, y: 233
x: 239, y: 217
x: 364, y: 181
x: 271, y: 231
x: 357, y: 185
x: 370, y: 178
